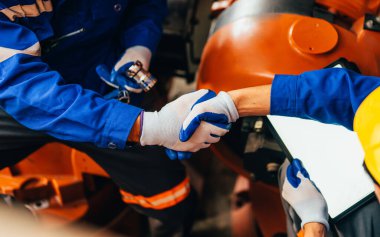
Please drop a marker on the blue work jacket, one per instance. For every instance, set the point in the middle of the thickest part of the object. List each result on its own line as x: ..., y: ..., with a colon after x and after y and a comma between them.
x: 48, y: 53
x: 330, y: 95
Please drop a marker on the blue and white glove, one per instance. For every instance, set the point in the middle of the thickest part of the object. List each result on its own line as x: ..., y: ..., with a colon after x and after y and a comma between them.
x: 163, y: 127
x: 219, y: 111
x: 119, y: 78
x: 302, y: 195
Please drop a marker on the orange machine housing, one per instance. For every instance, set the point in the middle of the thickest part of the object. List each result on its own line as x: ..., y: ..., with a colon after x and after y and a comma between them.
x: 253, y: 41
x: 250, y: 51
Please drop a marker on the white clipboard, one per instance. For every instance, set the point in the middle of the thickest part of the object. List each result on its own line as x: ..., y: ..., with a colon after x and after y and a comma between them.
x: 333, y: 157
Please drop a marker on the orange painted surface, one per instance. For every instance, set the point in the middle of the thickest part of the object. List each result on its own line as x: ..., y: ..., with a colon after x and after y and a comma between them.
x: 351, y: 8
x: 313, y: 36
x: 82, y: 163
x: 250, y: 51
x: 53, y: 173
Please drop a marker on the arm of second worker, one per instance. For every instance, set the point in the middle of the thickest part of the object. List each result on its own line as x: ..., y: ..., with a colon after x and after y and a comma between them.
x: 329, y: 95
x: 144, y: 24
x: 37, y: 97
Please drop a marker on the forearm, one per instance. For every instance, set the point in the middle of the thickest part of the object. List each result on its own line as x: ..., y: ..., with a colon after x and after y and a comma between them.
x: 38, y: 99
x: 135, y: 134
x: 252, y: 101
x: 314, y: 229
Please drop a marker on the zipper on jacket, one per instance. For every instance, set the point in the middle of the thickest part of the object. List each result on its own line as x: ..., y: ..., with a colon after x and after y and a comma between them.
x: 69, y: 35
x: 50, y: 44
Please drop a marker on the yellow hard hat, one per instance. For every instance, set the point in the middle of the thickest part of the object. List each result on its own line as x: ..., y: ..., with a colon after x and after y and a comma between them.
x: 367, y: 126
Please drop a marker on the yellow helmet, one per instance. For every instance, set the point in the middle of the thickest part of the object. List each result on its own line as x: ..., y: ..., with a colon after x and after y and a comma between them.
x: 367, y: 126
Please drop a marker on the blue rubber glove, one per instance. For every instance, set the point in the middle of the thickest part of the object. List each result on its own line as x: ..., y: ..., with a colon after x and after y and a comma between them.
x: 303, y: 196
x: 118, y: 78
x: 219, y: 111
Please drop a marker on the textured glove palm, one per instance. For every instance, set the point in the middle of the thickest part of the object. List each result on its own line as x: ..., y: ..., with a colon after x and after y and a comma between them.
x: 303, y: 196
x: 219, y: 111
x: 163, y: 127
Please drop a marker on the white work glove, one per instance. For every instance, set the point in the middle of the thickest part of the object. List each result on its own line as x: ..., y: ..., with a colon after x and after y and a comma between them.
x: 303, y: 196
x: 163, y: 127
x: 219, y: 111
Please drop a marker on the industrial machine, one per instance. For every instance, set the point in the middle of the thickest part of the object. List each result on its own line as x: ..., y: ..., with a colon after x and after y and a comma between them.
x: 249, y: 42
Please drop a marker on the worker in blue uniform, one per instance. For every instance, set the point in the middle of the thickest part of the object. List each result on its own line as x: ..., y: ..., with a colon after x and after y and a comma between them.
x: 50, y: 91
x: 336, y: 96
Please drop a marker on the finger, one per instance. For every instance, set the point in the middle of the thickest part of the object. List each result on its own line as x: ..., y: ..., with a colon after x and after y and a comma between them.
x: 193, y: 120
x: 104, y: 74
x: 123, y: 69
x: 182, y: 155
x: 173, y: 155
x: 299, y: 170
x: 211, y: 140
x: 291, y: 175
x: 217, y: 130
x: 125, y: 82
x: 134, y: 90
x: 132, y: 87
x: 208, y: 133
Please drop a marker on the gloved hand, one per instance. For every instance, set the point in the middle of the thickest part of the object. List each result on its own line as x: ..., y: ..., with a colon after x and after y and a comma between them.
x: 119, y: 78
x: 163, y: 127
x: 299, y: 191
x: 219, y: 111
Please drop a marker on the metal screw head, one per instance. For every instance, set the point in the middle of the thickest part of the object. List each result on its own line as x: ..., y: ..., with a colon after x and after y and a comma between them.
x: 117, y: 7
x: 377, y: 19
x: 369, y: 23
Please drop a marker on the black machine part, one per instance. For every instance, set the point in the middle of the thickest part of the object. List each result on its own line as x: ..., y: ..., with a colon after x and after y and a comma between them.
x: 249, y: 8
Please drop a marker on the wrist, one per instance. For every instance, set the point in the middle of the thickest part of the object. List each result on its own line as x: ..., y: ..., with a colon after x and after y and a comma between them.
x: 135, y: 133
x: 233, y: 114
x: 314, y: 229
x: 150, y: 130
x: 252, y: 101
x: 235, y: 97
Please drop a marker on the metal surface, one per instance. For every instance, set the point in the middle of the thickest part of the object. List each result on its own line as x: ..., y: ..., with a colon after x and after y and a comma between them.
x: 249, y: 8
x: 354, y: 9
x: 141, y: 76
x: 250, y: 51
x: 372, y: 22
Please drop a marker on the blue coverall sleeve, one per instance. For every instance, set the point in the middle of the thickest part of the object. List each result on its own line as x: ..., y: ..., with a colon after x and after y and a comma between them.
x: 144, y: 23
x: 37, y: 97
x: 329, y: 95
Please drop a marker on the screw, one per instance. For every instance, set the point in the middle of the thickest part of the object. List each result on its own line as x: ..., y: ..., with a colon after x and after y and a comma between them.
x: 377, y: 19
x: 369, y: 24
